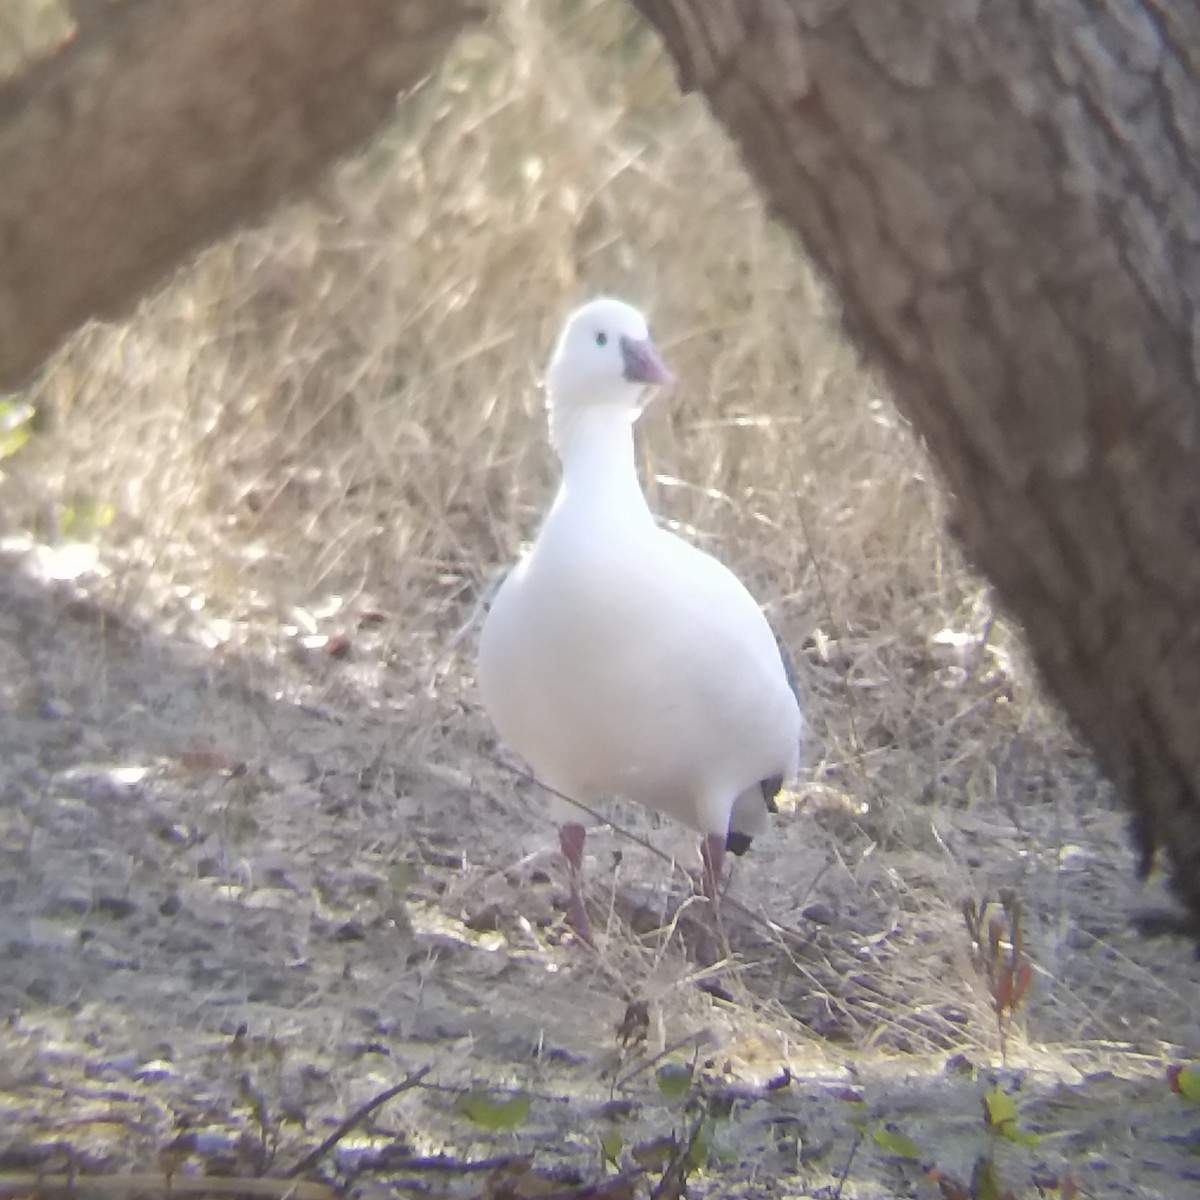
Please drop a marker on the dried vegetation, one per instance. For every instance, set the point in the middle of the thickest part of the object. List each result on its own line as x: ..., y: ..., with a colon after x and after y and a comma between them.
x: 248, y: 783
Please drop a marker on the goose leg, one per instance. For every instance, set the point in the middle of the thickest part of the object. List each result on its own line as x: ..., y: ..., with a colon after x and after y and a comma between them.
x: 712, y: 856
x: 570, y: 839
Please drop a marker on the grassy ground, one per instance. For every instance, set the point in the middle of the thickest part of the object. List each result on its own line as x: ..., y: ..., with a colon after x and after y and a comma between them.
x: 247, y: 782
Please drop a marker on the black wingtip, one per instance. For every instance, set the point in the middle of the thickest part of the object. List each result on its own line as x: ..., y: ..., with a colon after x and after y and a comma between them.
x: 738, y: 843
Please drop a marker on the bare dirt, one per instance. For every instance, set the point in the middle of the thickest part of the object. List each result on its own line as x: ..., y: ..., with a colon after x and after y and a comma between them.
x: 235, y: 907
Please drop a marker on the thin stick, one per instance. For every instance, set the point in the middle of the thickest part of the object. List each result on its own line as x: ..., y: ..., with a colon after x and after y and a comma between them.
x: 395, y: 1165
x: 697, y: 1038
x: 359, y: 1115
x: 841, y: 1183
x: 621, y: 831
x: 159, y: 1183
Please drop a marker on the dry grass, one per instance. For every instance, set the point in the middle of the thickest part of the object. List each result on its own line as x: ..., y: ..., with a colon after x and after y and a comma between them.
x: 27, y: 27
x: 340, y: 412
x: 347, y: 399
x: 345, y: 404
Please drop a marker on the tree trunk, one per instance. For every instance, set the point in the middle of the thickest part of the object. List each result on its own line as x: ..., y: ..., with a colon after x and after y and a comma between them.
x: 1005, y: 196
x: 163, y: 125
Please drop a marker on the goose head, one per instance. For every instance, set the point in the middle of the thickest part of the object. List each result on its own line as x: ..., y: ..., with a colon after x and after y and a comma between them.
x: 604, y: 360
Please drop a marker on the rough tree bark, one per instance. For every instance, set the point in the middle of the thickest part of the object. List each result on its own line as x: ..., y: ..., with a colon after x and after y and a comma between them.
x: 1005, y: 197
x: 166, y: 124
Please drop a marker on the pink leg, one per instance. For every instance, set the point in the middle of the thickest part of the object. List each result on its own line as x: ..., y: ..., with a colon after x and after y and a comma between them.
x: 570, y: 839
x: 712, y: 856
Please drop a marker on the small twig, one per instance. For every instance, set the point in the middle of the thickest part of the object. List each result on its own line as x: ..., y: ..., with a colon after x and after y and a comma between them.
x: 417, y: 1164
x: 841, y: 1183
x: 258, y: 1105
x: 730, y: 901
x: 387, y: 1161
x: 482, y: 604
x: 599, y: 818
x: 698, y: 1038
x: 160, y: 1184
x: 355, y: 1118
x: 611, y: 1185
x: 453, y: 1089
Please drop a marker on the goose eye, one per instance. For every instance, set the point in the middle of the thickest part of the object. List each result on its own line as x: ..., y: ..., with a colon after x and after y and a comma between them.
x: 602, y: 339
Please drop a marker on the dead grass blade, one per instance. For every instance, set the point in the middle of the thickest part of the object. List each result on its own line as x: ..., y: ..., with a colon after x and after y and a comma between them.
x: 359, y: 1115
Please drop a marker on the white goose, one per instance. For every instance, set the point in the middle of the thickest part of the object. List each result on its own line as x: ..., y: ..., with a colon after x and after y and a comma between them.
x: 617, y: 659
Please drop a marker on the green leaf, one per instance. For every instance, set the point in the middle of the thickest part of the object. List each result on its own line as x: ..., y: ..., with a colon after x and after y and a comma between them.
x: 1019, y: 1135
x: 894, y: 1142
x: 611, y: 1145
x: 103, y: 514
x: 1186, y: 1081
x: 984, y: 1184
x: 1001, y: 1107
x: 701, y: 1143
x: 674, y: 1079
x: 11, y: 440
x: 655, y: 1154
x: 494, y: 1113
x: 83, y: 517
x: 16, y: 425
x: 1001, y: 1111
